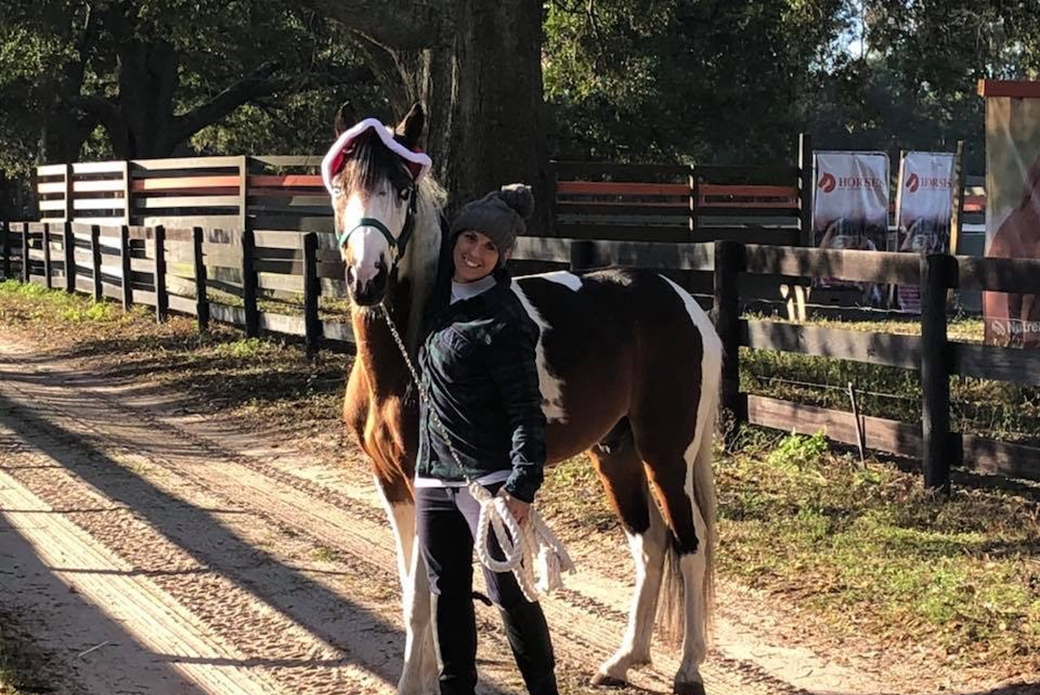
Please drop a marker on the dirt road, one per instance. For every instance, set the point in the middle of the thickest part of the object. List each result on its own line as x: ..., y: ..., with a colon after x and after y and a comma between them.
x: 155, y: 551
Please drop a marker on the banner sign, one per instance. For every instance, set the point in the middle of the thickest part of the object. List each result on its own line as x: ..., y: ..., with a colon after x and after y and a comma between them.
x: 1012, y: 213
x: 924, y: 211
x: 850, y: 210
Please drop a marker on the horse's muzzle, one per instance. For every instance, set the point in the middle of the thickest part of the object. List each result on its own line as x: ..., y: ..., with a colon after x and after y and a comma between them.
x: 367, y: 292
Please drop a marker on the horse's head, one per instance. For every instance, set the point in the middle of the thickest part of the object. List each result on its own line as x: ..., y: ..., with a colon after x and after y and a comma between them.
x: 372, y: 174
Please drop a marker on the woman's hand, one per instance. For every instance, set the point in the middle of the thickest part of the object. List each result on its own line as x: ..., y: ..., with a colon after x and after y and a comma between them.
x: 518, y: 508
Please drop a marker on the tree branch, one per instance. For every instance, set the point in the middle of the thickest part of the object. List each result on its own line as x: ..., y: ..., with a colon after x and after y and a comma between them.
x: 260, y: 83
x: 103, y: 109
x: 393, y: 24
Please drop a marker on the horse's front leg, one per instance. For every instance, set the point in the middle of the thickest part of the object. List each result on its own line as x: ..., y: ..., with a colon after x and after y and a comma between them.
x: 419, y: 671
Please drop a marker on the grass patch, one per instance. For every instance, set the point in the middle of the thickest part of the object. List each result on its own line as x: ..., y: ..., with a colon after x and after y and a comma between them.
x: 22, y: 664
x: 220, y: 371
x: 572, y: 497
x: 323, y: 554
x: 873, y: 551
x: 31, y: 302
x: 999, y: 410
x: 332, y: 309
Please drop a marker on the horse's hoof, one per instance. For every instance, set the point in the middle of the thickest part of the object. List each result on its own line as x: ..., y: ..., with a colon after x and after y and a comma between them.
x: 688, y: 688
x: 602, y: 680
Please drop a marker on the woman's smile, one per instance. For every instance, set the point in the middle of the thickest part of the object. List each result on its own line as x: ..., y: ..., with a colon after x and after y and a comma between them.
x: 475, y: 255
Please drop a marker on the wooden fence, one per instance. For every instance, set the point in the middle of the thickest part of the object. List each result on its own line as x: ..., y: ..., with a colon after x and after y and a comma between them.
x: 763, y: 204
x: 676, y: 203
x: 261, y: 280
x: 171, y: 270
x: 279, y: 193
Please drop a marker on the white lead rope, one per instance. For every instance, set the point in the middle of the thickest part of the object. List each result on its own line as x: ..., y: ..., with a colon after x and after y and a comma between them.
x: 523, y: 546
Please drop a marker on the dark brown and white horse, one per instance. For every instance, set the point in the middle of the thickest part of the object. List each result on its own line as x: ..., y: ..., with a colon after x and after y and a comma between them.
x: 628, y: 366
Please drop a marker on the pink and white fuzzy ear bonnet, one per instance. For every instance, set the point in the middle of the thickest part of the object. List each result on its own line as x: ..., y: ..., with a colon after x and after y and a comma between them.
x: 418, y: 163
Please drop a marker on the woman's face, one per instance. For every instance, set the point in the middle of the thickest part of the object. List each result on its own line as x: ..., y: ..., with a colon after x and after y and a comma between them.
x: 475, y: 256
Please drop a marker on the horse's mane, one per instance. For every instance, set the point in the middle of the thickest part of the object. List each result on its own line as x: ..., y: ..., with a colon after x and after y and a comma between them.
x: 440, y: 291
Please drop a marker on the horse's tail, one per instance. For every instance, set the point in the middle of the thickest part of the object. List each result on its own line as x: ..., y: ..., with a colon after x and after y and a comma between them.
x: 671, y: 606
x: 700, y: 487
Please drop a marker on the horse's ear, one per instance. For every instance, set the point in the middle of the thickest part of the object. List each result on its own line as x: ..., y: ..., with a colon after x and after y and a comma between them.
x: 345, y: 117
x: 410, y: 129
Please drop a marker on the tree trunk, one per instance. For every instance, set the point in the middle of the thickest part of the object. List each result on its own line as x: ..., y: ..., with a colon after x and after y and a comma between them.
x: 147, y: 82
x: 476, y: 65
x: 483, y: 90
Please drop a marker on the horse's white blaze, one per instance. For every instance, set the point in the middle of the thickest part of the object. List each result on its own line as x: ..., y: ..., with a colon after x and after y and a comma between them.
x: 549, y: 384
x: 367, y: 246
x: 562, y: 277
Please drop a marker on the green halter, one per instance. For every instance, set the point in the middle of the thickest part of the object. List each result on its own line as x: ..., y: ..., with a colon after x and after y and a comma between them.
x: 398, y: 245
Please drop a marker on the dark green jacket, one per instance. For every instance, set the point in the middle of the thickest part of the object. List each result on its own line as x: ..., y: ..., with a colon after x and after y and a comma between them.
x: 478, y: 367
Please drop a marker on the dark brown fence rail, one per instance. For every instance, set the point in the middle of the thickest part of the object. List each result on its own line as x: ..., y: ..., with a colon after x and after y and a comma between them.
x: 287, y: 282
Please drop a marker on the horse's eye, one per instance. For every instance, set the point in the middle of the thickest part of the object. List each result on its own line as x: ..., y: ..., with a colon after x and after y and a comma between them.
x: 405, y: 194
x: 337, y: 191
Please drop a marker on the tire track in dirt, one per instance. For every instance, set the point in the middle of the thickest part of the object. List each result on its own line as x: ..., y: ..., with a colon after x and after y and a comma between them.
x: 203, y: 569
x: 163, y: 627
x: 335, y: 525
x: 308, y: 597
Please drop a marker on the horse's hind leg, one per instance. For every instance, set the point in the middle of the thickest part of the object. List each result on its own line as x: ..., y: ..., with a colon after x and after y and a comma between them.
x: 677, y: 455
x: 621, y: 472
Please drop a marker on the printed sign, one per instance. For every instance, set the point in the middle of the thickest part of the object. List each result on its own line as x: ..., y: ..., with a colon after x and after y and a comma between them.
x: 1012, y: 213
x: 924, y: 211
x: 850, y: 210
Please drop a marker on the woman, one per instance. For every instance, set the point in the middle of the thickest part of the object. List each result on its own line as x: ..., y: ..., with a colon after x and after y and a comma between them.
x: 478, y: 368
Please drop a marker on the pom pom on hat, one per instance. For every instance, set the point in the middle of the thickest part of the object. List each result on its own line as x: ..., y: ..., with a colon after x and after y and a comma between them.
x: 519, y: 197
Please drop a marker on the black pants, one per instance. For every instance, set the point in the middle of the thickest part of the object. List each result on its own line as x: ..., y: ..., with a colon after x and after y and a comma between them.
x: 447, y: 522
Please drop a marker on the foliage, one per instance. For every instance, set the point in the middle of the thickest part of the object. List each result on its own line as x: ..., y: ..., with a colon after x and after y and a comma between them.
x: 664, y: 80
x: 244, y: 349
x: 624, y: 80
x: 653, y: 80
x: 115, y: 78
x: 798, y: 452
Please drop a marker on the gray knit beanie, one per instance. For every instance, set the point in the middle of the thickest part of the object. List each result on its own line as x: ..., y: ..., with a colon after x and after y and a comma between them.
x: 499, y: 215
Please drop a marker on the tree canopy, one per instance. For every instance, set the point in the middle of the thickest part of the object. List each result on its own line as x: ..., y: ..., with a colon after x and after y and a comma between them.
x: 727, y: 81
x: 147, y: 79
